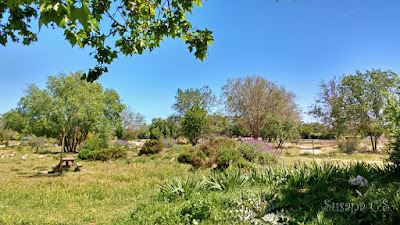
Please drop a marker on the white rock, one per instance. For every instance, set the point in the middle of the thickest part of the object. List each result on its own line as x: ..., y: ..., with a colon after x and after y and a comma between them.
x: 358, y: 181
x: 24, y: 157
x: 41, y: 156
x: 2, y: 156
x: 11, y: 155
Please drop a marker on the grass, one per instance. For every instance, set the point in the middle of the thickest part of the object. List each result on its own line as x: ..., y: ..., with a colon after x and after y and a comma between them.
x: 159, y: 190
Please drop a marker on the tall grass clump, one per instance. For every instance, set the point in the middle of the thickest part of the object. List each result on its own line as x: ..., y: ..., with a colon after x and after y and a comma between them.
x: 182, y: 187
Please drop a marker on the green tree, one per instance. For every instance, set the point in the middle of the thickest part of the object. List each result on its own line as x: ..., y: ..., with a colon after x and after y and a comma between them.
x: 193, y: 123
x: 127, y: 27
x: 185, y: 100
x: 159, y: 129
x: 133, y: 123
x: 367, y: 97
x: 37, y: 142
x: 254, y: 100
x: 329, y: 106
x: 67, y: 109
x: 280, y: 130
x: 105, y: 132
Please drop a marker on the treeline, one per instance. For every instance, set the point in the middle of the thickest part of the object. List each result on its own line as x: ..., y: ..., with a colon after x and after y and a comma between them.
x: 71, y: 110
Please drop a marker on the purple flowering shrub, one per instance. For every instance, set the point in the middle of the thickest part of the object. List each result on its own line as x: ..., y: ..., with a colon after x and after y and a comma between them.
x: 122, y: 144
x: 262, y: 146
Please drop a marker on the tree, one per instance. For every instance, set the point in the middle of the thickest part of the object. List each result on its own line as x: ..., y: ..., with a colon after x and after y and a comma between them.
x: 193, y: 123
x: 67, y: 109
x: 133, y: 123
x: 254, y: 100
x: 280, y: 130
x: 359, y: 103
x: 367, y: 96
x: 37, y: 142
x: 185, y: 100
x: 329, y: 106
x: 159, y: 129
x: 127, y: 27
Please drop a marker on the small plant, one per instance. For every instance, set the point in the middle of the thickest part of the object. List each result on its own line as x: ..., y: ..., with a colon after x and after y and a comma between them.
x: 168, y: 142
x: 151, y: 147
x: 104, y: 154
x: 226, y: 180
x: 196, y: 210
x: 182, y: 187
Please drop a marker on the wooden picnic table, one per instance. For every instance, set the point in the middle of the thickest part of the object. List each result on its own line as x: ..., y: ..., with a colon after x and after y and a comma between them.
x: 67, y: 160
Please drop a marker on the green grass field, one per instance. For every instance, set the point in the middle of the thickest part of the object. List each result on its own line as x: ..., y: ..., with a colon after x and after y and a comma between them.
x: 127, y: 191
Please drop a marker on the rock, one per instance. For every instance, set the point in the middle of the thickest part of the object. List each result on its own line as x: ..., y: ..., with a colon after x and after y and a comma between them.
x: 24, y: 157
x: 358, y: 181
x: 41, y: 156
x: 2, y: 156
x: 11, y: 155
x: 44, y: 172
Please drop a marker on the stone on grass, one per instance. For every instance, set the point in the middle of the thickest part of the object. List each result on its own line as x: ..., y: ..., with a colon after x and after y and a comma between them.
x: 41, y: 156
x: 24, y: 157
x: 358, y: 181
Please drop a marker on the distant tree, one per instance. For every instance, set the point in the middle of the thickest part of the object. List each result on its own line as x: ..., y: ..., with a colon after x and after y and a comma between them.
x: 159, y: 129
x: 185, y: 100
x: 67, y: 109
x: 254, y: 100
x: 37, y: 142
x: 329, y: 106
x: 193, y: 123
x: 133, y: 123
x: 280, y: 130
x: 105, y: 132
x: 127, y: 27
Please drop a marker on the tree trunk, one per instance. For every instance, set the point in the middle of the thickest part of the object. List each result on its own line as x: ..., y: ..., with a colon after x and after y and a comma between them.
x: 37, y: 150
x: 376, y: 144
x: 62, y: 150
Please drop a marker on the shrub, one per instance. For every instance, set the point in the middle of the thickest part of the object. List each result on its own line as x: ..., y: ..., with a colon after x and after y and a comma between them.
x: 104, y: 154
x: 227, y: 157
x: 92, y: 144
x: 348, y: 145
x: 249, y: 151
x: 211, y: 146
x: 265, y: 158
x: 195, y: 158
x: 226, y: 180
x: 196, y: 210
x: 84, y: 154
x: 168, y: 142
x: 151, y: 147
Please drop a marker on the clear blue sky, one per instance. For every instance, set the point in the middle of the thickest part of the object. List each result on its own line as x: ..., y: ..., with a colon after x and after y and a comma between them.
x: 294, y: 43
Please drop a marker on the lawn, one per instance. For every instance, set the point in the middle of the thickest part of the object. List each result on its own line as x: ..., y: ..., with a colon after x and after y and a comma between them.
x: 127, y: 191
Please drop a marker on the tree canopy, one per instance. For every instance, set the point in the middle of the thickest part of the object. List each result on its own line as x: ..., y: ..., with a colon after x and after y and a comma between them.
x: 254, y: 100
x: 108, y: 27
x: 188, y: 98
x: 67, y: 109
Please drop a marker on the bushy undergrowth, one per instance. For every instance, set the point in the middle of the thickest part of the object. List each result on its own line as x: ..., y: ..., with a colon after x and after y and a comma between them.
x: 151, y: 147
x: 302, y: 193
x: 348, y: 145
x: 104, y: 154
x: 220, y: 152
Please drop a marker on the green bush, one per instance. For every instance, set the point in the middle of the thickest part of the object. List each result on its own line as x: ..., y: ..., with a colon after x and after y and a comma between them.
x: 211, y: 146
x: 265, y: 158
x: 104, y: 154
x: 348, y: 145
x: 151, y: 147
x: 84, y: 154
x: 195, y: 158
x: 92, y: 144
x: 196, y: 210
x: 249, y: 151
x: 227, y: 157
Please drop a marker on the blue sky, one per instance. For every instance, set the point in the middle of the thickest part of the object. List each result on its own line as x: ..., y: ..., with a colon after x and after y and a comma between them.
x: 293, y: 43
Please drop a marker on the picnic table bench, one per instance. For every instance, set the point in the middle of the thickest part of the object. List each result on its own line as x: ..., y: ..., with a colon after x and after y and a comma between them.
x: 67, y: 161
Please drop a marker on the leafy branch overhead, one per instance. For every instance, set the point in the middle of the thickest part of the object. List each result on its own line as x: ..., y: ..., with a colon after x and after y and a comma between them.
x: 108, y: 26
